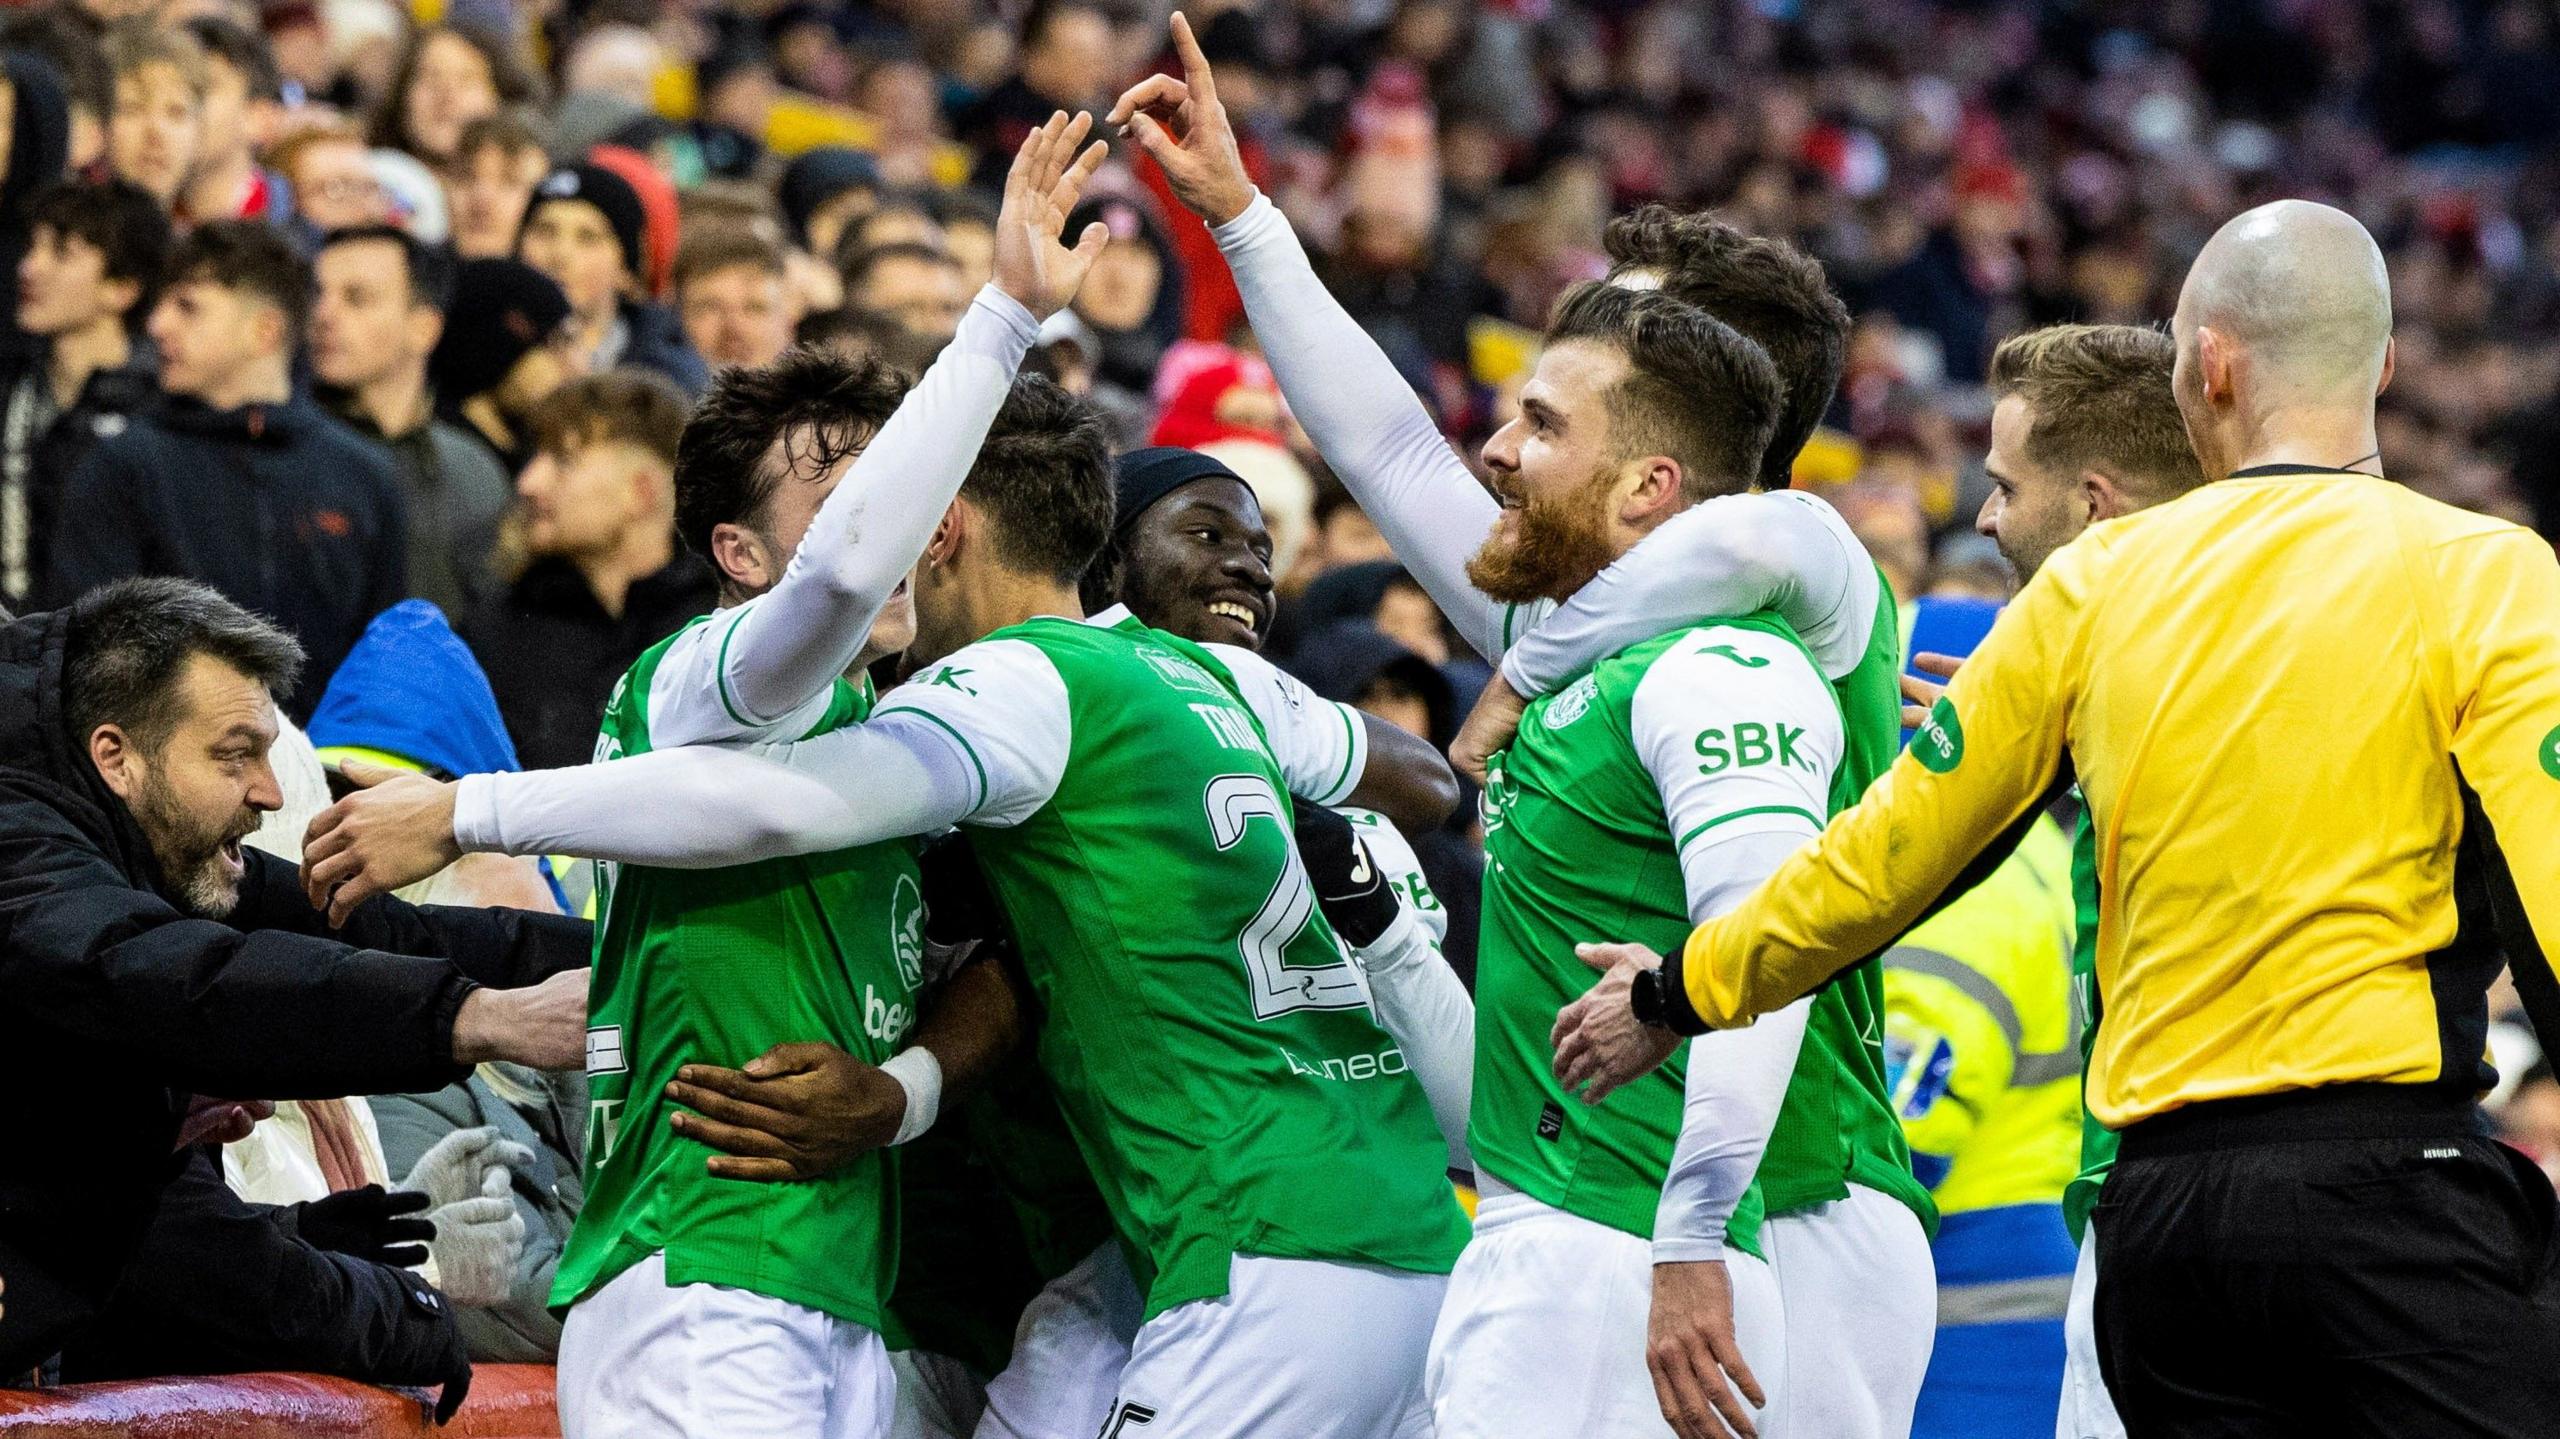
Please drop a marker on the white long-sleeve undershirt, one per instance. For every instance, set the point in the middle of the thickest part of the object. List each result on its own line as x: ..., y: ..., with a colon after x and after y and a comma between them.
x: 1367, y: 423
x: 764, y: 669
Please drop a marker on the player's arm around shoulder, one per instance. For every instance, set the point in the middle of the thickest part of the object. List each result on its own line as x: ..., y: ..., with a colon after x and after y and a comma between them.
x: 1000, y: 708
x: 690, y: 700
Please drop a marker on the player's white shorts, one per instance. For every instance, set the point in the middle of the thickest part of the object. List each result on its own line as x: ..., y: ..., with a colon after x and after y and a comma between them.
x: 1861, y: 1297
x: 938, y: 1398
x: 1295, y: 1347
x: 1068, y: 1352
x: 642, y: 1360
x: 2088, y: 1410
x: 1543, y: 1333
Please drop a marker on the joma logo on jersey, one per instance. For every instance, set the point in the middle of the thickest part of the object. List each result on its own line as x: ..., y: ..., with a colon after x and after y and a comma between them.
x: 1181, y: 673
x: 1229, y: 728
x: 1751, y: 744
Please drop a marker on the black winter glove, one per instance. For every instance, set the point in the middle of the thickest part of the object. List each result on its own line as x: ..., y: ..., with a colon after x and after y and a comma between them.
x: 1352, y: 891
x: 368, y: 1224
x: 457, y: 1355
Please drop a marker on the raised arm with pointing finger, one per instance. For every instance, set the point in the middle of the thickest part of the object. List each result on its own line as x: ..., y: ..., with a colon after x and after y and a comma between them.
x: 764, y: 669
x: 1362, y: 415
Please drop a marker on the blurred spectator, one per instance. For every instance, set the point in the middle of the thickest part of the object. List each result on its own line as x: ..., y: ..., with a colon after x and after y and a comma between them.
x: 95, y: 252
x: 412, y: 195
x: 905, y: 102
x: 584, y: 228
x: 1887, y: 520
x: 329, y: 171
x: 1131, y: 301
x: 137, y: 725
x: 1377, y: 593
x: 1362, y: 666
x: 242, y: 102
x: 2531, y: 1119
x: 896, y: 219
x: 916, y: 285
x: 606, y: 579
x: 969, y: 233
x: 449, y: 76
x: 56, y: 37
x: 410, y: 696
x: 733, y: 294
x: 378, y: 316
x: 158, y: 122
x: 823, y: 191
x: 506, y: 347
x: 236, y: 480
x: 1066, y: 64
x: 497, y: 162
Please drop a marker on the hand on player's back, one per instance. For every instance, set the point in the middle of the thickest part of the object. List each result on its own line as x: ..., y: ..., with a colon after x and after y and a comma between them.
x: 798, y: 1111
x: 1598, y: 1042
x: 1033, y: 262
x: 1183, y: 127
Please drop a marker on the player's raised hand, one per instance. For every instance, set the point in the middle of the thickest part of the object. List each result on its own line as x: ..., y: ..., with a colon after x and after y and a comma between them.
x: 1692, y: 1353
x: 1183, y: 128
x: 1489, y: 727
x: 395, y: 831
x: 1034, y: 263
x: 1918, y: 694
x: 1597, y: 1039
x: 797, y: 1111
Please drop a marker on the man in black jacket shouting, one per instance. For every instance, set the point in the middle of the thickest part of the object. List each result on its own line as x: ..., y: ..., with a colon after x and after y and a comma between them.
x: 146, y: 956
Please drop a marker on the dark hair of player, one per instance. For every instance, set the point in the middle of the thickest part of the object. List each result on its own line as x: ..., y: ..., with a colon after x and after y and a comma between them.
x: 1772, y: 292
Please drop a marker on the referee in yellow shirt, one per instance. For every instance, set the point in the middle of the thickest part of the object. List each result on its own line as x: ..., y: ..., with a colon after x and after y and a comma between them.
x: 2317, y: 721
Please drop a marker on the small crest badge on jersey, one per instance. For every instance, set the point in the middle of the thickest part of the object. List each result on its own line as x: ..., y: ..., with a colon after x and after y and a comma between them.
x: 1573, y: 703
x: 604, y: 1051
x: 1181, y: 673
x: 906, y: 932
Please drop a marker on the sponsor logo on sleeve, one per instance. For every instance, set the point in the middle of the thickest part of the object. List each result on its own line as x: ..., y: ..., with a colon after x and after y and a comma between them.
x: 2551, y: 753
x: 1939, y: 742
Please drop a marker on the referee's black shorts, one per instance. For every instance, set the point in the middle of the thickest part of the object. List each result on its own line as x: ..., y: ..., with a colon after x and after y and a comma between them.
x: 2360, y: 1260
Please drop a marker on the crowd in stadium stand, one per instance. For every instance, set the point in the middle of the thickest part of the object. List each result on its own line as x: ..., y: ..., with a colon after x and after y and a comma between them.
x: 341, y: 306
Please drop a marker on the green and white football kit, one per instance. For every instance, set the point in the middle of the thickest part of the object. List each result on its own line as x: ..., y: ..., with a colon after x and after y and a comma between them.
x: 1783, y: 552
x: 1270, y: 1161
x: 706, y: 1305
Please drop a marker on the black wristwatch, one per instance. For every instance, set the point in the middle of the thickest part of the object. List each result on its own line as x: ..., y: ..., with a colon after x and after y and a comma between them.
x: 1647, y: 998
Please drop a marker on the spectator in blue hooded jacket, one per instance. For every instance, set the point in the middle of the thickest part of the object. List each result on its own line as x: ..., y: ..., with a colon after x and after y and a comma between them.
x: 410, y: 696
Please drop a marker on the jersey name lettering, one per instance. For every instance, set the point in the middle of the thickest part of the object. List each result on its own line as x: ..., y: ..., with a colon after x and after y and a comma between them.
x: 1228, y: 728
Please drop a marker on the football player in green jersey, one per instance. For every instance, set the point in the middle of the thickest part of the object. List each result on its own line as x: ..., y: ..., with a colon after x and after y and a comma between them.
x: 1568, y: 506
x: 1270, y: 1161
x: 699, y: 1303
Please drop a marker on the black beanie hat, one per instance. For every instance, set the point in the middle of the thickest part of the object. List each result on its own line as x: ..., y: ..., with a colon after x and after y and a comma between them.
x: 1146, y: 476
x: 813, y: 179
x: 501, y: 309
x: 612, y: 196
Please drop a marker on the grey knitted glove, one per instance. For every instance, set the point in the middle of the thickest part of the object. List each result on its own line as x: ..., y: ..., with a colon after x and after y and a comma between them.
x: 477, y: 1243
x: 455, y: 1167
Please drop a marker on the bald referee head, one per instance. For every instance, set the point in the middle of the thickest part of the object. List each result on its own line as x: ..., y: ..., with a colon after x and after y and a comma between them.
x: 2284, y: 339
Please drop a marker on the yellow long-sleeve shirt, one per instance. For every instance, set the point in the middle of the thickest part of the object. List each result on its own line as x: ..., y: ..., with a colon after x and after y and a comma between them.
x: 2275, y: 691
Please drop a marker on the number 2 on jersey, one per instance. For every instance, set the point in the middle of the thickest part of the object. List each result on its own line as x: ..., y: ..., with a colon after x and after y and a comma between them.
x: 1234, y: 802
